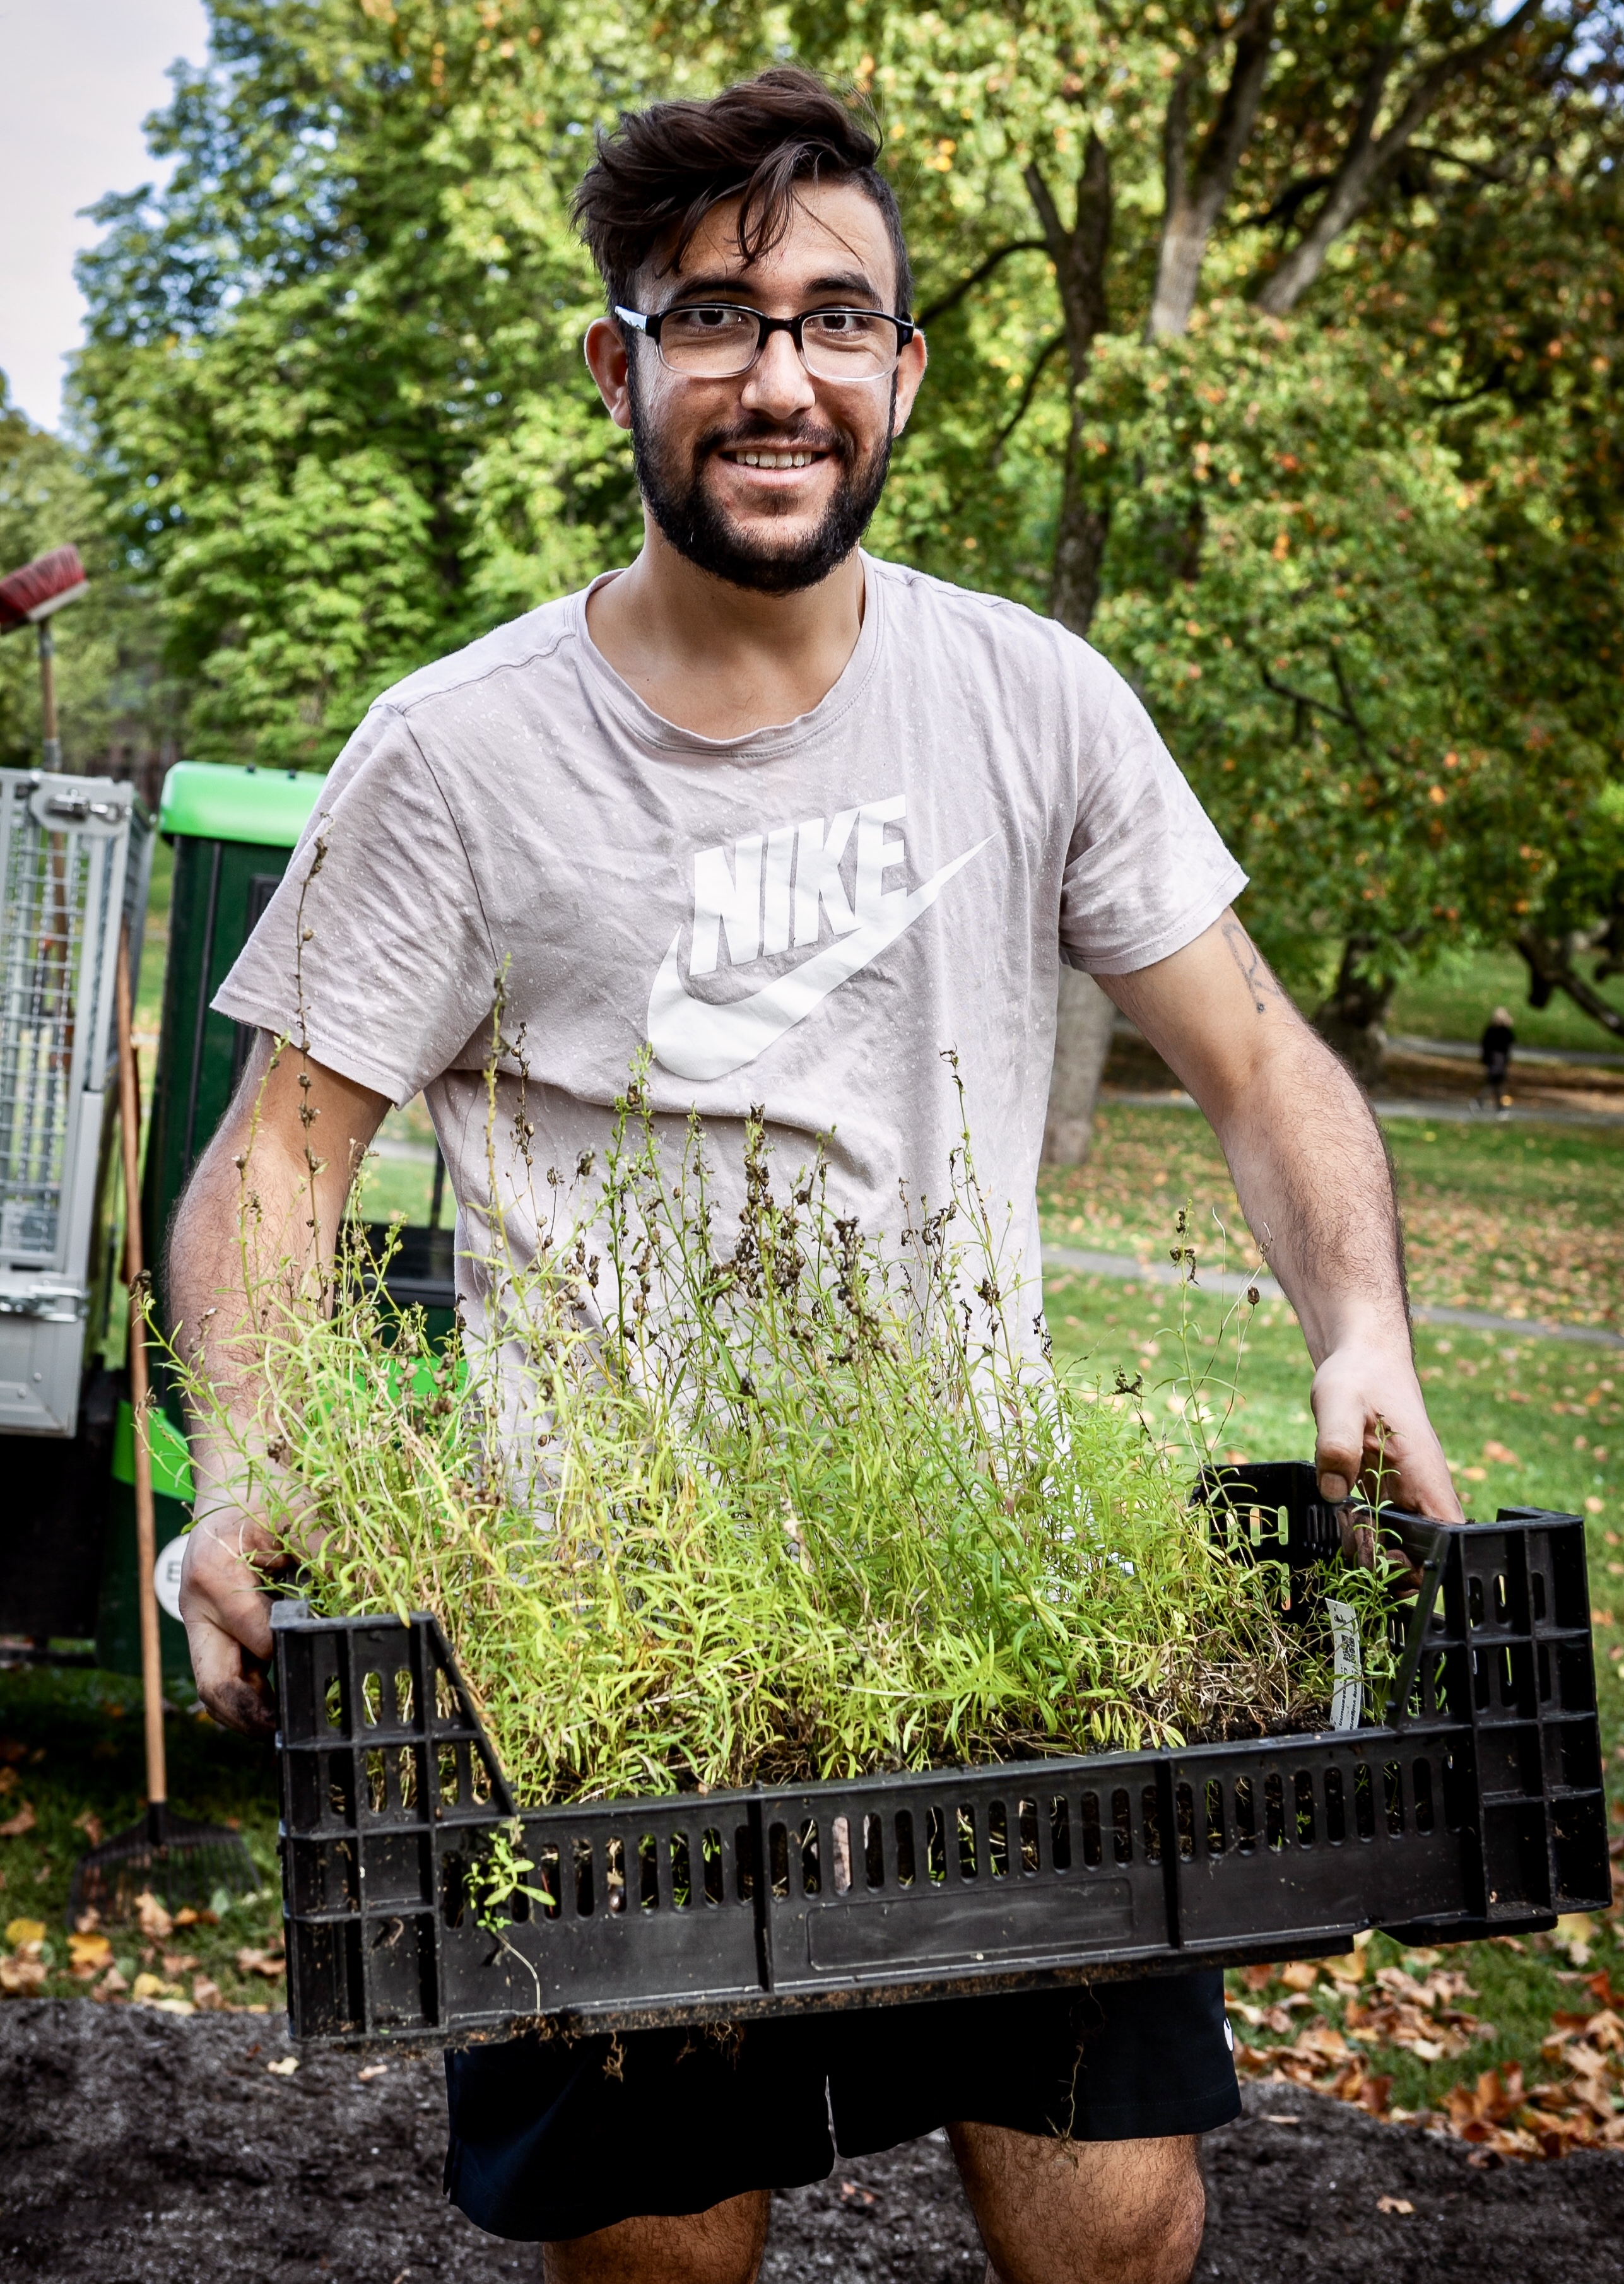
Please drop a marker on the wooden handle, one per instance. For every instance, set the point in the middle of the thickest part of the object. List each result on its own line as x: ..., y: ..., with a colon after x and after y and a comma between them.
x: 146, y: 1524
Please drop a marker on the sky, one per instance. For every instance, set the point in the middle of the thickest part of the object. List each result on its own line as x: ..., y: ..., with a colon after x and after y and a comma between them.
x: 77, y: 77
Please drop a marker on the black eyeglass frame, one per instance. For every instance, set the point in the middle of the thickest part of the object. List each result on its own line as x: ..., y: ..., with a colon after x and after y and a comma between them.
x: 649, y: 324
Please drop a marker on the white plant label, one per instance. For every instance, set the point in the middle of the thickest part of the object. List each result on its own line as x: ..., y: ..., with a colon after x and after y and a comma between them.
x: 167, y: 1577
x: 1347, y: 1666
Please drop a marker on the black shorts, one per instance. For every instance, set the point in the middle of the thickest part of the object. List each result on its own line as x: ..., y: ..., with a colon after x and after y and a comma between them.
x: 555, y: 2138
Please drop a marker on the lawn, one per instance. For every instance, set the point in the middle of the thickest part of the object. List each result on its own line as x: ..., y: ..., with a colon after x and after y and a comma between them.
x: 1456, y: 999
x: 71, y: 1774
x: 1518, y: 1220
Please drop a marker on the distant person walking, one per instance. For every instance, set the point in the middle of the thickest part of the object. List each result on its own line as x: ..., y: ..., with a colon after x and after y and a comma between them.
x: 1498, y: 1040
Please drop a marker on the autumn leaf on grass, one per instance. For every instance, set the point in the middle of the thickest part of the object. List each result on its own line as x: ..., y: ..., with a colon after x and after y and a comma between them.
x: 151, y: 1917
x: 16, y: 1826
x: 87, y: 1954
x: 206, y: 1995
x: 153, y: 1986
x: 89, y: 1824
x: 21, y: 1978
x: 21, y: 1933
x: 271, y: 1965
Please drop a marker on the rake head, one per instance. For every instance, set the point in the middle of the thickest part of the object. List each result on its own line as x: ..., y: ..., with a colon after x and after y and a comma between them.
x: 167, y: 1856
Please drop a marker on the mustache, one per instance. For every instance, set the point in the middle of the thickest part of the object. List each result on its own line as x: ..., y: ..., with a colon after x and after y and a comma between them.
x: 763, y: 435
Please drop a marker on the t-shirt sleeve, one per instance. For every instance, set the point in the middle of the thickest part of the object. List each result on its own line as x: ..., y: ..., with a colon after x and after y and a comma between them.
x: 1146, y: 871
x: 374, y: 948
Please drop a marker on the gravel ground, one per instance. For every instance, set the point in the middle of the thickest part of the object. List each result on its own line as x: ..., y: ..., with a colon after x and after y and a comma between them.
x: 144, y: 2149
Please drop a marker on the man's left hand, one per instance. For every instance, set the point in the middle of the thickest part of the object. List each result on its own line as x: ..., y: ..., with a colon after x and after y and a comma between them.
x: 1373, y: 1433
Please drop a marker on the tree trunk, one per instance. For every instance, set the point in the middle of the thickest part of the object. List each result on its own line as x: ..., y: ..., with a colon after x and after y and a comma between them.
x: 1084, y: 1015
x: 1351, y: 1019
x: 1080, y: 541
x: 1082, y: 1042
x: 1192, y: 207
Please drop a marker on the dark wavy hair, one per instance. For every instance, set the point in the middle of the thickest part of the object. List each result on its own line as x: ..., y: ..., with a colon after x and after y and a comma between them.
x: 655, y: 179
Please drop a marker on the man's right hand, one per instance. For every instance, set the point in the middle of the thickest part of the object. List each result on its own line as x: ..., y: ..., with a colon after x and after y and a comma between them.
x: 227, y: 1613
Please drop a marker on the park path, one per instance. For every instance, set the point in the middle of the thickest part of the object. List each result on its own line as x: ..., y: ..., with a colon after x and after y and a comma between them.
x: 1081, y: 1262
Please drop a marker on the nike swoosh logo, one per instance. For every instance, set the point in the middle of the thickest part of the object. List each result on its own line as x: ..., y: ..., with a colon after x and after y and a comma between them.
x: 696, y: 1040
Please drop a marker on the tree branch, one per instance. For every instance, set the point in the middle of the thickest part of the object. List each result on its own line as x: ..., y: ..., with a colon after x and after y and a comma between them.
x: 1026, y: 395
x: 1078, y: 254
x: 1368, y: 153
x: 1549, y: 969
x: 983, y: 270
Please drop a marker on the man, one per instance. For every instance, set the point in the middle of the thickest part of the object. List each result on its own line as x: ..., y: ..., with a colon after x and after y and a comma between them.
x: 799, y: 820
x: 1494, y: 1051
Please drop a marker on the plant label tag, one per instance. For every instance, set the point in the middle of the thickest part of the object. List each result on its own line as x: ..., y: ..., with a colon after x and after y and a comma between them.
x: 167, y: 1577
x: 1347, y: 1669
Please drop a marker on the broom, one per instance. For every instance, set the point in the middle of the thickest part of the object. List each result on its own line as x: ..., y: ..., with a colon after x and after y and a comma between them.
x: 169, y: 1856
x: 27, y: 598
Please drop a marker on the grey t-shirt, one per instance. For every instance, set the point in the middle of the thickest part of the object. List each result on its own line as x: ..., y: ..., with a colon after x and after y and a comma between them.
x: 804, y: 918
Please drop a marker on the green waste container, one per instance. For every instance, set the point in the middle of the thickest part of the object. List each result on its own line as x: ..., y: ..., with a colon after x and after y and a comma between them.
x: 118, y: 1630
x: 233, y: 830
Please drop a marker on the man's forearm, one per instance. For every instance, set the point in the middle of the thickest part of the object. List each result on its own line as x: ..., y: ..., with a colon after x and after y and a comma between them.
x: 1312, y: 1175
x: 1313, y: 1182
x: 255, y: 1233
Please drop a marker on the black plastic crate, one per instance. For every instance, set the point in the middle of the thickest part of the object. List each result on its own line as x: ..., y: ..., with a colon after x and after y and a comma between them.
x: 1479, y: 1809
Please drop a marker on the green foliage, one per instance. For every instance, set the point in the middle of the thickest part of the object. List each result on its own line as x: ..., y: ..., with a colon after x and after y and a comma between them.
x: 340, y: 416
x: 107, y: 679
x: 1304, y: 589
x: 804, y: 1510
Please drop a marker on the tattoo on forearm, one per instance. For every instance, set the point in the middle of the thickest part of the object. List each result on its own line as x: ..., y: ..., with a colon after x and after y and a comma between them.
x: 1250, y: 961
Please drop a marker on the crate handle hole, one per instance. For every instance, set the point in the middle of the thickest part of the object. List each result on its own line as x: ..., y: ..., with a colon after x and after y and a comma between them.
x: 874, y: 1851
x: 1059, y: 1834
x: 1245, y: 1817
x: 1421, y: 1795
x: 840, y: 1852
x: 714, y: 1869
x: 1274, y: 1811
x: 1093, y: 1846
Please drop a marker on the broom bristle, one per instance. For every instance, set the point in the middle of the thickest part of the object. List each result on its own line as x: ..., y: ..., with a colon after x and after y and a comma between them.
x: 40, y: 587
x: 186, y: 1865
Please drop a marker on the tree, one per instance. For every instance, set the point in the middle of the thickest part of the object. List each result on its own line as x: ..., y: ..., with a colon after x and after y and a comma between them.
x: 1234, y: 368
x: 333, y: 368
x: 1287, y: 144
x: 112, y: 703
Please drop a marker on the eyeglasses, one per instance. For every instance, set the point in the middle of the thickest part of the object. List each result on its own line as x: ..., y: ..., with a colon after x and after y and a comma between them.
x: 717, y: 340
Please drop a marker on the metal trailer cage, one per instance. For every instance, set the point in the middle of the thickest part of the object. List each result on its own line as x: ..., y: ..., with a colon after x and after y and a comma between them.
x: 74, y: 857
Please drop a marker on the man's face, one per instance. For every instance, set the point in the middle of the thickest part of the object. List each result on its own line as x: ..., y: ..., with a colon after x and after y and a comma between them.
x: 767, y: 479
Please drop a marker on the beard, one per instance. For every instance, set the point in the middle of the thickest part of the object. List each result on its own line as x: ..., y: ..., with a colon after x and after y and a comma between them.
x: 682, y: 505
